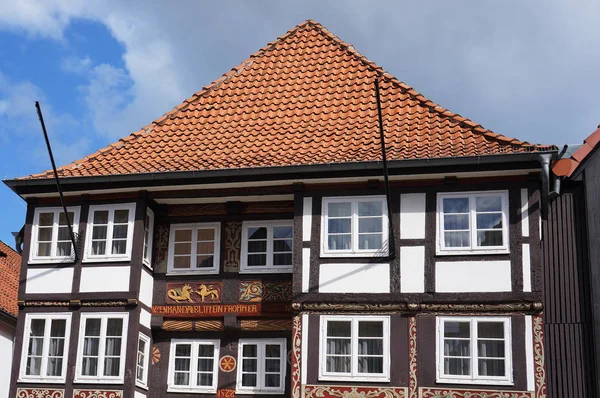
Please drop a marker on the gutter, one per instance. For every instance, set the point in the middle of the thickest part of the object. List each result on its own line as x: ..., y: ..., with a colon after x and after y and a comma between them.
x: 259, y: 173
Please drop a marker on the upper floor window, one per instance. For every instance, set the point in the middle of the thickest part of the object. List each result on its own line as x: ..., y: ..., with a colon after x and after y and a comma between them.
x: 355, y: 348
x: 474, y: 350
x: 51, y: 240
x: 267, y: 246
x: 141, y: 361
x: 194, y: 248
x: 109, y: 232
x: 261, y: 366
x: 472, y: 222
x: 45, y: 347
x: 354, y: 226
x: 193, y: 366
x: 148, y: 235
x: 101, y: 349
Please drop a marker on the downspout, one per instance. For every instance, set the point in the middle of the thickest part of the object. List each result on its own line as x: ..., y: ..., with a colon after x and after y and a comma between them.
x: 545, y: 164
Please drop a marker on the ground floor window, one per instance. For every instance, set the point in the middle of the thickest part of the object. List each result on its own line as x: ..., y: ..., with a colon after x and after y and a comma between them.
x: 261, y: 365
x: 474, y: 350
x: 193, y: 365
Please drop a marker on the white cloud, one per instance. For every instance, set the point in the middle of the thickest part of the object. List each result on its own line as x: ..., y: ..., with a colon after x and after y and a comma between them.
x: 78, y: 65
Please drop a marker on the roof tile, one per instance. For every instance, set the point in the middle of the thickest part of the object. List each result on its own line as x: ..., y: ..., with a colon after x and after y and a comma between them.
x: 10, y: 269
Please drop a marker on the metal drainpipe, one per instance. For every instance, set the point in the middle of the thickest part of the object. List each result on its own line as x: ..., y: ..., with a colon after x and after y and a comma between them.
x: 545, y: 163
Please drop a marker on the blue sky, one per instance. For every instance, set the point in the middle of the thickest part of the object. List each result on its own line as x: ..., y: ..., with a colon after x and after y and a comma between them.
x: 104, y: 69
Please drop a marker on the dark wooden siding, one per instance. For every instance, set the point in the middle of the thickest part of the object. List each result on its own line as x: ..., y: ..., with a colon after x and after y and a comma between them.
x: 570, y: 362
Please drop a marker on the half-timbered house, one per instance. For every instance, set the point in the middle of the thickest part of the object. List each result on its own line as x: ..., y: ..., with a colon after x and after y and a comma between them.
x: 246, y: 243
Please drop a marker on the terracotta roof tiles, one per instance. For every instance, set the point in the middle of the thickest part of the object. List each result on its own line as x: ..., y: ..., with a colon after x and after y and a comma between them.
x: 306, y: 98
x: 10, y: 268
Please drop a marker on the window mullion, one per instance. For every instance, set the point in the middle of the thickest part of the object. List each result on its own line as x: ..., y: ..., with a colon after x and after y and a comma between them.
x: 354, y: 225
x: 194, y: 365
x: 109, y: 232
x: 474, y: 351
x: 354, y: 348
x: 55, y: 224
x: 473, y: 222
x: 270, y: 243
x: 261, y: 353
x: 45, y: 348
x: 101, y: 347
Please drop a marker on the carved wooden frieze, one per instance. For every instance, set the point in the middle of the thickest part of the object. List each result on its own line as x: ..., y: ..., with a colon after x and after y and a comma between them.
x: 194, y: 292
x: 97, y: 393
x: 296, y: 356
x: 358, y: 392
x: 264, y: 325
x: 39, y: 393
x: 412, y: 355
x: 208, y: 326
x: 177, y: 326
x: 233, y: 246
x: 218, y: 310
x: 434, y: 392
x: 256, y: 291
x: 212, y: 209
x: 538, y: 357
x: 161, y: 247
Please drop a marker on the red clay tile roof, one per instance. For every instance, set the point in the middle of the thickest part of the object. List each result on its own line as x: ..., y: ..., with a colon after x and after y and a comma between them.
x: 10, y: 268
x: 566, y: 167
x: 306, y: 98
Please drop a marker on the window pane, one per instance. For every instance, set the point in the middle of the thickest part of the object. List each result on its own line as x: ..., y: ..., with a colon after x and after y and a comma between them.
x: 257, y: 233
x: 183, y: 350
x: 457, y: 239
x: 338, y: 364
x: 36, y: 346
x: 339, y: 346
x: 370, y: 365
x: 339, y: 209
x: 339, y: 242
x: 119, y: 247
x: 183, y: 235
x: 63, y: 249
x: 46, y: 219
x: 99, y: 232
x: 282, y: 259
x: 182, y: 379
x: 272, y: 380
x: 101, y: 217
x: 272, y: 350
x: 63, y: 233
x: 205, y: 248
x: 112, y: 366
x: 91, y: 346
x: 491, y: 367
x: 457, y: 366
x: 339, y: 328
x: 181, y: 262
x: 488, y: 203
x: 248, y: 380
x: 206, y: 350
x: 257, y: 246
x: 204, y: 261
x: 489, y: 221
x: 282, y: 232
x: 182, y: 364
x: 92, y: 327
x: 44, y: 234
x: 62, y: 220
x: 120, y: 232
x: 456, y: 222
x: 57, y: 328
x: 370, y: 329
x: 56, y: 347
x: 455, y: 205
x: 257, y: 260
x: 490, y: 348
x: 492, y: 330
x: 205, y: 364
x: 370, y: 208
x: 249, y: 350
x: 339, y: 225
x: 457, y: 348
x: 34, y: 366
x: 370, y: 224
x: 249, y: 365
x: 206, y: 234
x: 98, y: 248
x: 370, y: 242
x: 37, y: 327
x: 205, y: 379
x: 113, y: 346
x: 489, y: 238
x: 54, y: 367
x: 121, y: 216
x: 272, y: 365
x: 282, y: 246
x: 457, y: 329
x: 114, y: 327
x: 44, y: 249
x: 89, y: 366
x: 370, y: 346
x: 183, y: 248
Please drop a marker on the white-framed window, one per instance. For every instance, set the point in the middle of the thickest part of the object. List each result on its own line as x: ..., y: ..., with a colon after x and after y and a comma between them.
x: 474, y: 350
x: 141, y: 361
x: 354, y: 226
x: 101, y: 349
x: 148, y: 235
x: 472, y: 222
x: 261, y: 366
x: 267, y: 246
x: 109, y: 233
x: 50, y: 238
x: 193, y: 366
x: 194, y: 248
x: 355, y: 348
x: 45, y: 348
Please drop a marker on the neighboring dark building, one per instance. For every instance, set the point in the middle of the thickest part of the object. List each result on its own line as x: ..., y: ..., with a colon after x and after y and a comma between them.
x: 242, y: 245
x: 572, y: 274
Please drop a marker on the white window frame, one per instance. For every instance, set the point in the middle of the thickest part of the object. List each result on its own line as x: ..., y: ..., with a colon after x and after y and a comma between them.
x: 148, y: 227
x: 474, y: 378
x: 53, y: 258
x: 269, y: 268
x: 354, y: 375
x: 441, y: 249
x: 261, y: 389
x: 145, y: 366
x: 88, y: 256
x: 100, y: 378
x: 354, y: 251
x: 171, y: 387
x: 48, y: 317
x: 194, y: 227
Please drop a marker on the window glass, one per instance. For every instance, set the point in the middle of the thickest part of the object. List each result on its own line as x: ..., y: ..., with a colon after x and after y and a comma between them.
x: 194, y: 247
x: 110, y: 228
x: 51, y: 238
x: 193, y: 365
x: 262, y: 365
x: 267, y: 245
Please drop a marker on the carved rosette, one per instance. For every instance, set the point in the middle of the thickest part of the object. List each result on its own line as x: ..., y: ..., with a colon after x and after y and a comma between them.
x: 412, y: 357
x: 354, y: 392
x: 257, y: 291
x: 430, y: 392
x: 538, y: 357
x: 296, y: 350
x: 97, y: 393
x: 39, y: 393
x: 155, y: 355
x: 233, y: 245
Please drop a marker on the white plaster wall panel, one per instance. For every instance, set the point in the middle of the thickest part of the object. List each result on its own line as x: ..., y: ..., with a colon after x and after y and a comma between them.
x: 305, y: 269
x: 526, y: 268
x: 104, y: 279
x: 139, y: 395
x: 306, y: 219
x: 49, y: 280
x: 412, y: 269
x: 524, y: 212
x: 146, y: 286
x: 304, y: 350
x: 354, y: 278
x: 529, y: 364
x: 145, y: 318
x: 412, y: 216
x: 7, y: 335
x: 472, y: 276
